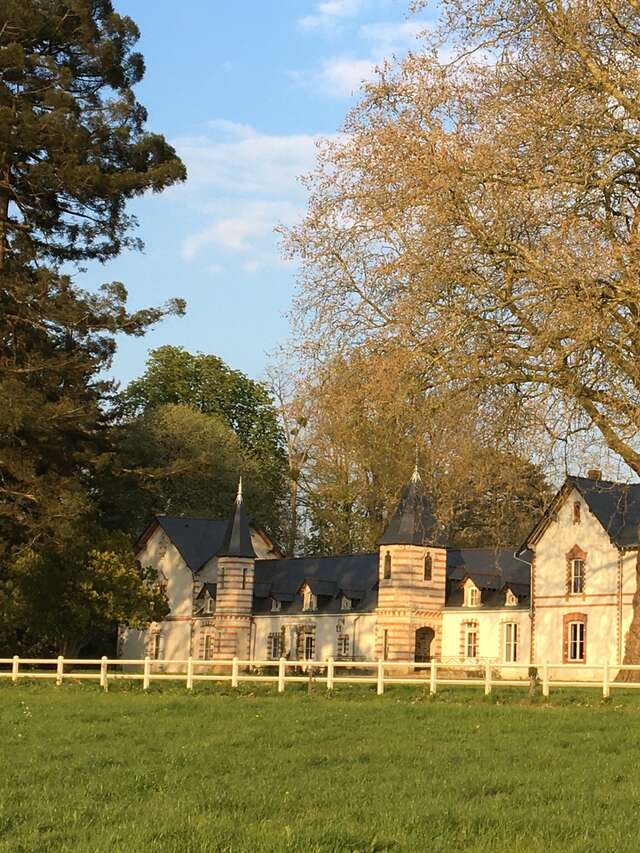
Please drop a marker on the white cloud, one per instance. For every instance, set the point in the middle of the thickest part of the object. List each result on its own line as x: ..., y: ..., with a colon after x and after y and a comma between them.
x: 390, y: 36
x: 239, y: 159
x: 328, y: 12
x: 244, y: 228
x: 341, y: 76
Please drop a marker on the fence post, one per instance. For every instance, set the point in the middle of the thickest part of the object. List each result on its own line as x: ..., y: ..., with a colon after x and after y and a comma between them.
x: 281, y: 666
x: 545, y: 678
x: 330, y: 673
x: 103, y: 672
x: 59, y: 670
x: 146, y: 680
x: 380, y: 686
x: 487, y: 678
x: 234, y: 672
x: 605, y: 679
x: 433, y: 678
x: 15, y: 668
x: 189, y: 673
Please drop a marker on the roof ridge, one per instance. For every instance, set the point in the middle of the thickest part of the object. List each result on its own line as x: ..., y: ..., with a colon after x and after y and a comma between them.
x: 321, y: 557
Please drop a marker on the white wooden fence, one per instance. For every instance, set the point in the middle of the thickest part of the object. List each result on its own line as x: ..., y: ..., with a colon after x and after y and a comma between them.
x: 330, y: 672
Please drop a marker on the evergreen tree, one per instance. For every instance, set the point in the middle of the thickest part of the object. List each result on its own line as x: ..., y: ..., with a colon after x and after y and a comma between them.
x: 73, y: 151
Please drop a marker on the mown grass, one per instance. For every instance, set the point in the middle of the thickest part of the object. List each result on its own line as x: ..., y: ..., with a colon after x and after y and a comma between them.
x: 249, y: 770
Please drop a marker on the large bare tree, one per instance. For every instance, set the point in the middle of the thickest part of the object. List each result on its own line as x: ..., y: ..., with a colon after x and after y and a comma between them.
x: 483, y: 211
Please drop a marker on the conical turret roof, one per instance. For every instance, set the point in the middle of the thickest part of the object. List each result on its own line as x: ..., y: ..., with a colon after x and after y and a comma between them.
x: 413, y: 522
x: 237, y: 539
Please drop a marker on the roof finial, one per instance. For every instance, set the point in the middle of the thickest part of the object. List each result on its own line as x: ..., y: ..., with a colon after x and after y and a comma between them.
x: 415, y: 477
x: 239, y: 495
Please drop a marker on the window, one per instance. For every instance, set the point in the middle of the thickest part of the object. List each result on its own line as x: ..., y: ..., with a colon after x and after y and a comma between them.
x: 208, y: 647
x: 342, y: 646
x: 309, y: 601
x: 276, y: 605
x: 471, y: 641
x: 510, y: 599
x: 345, y: 604
x: 577, y: 576
x: 154, y: 647
x: 309, y: 647
x: 244, y: 579
x: 510, y: 642
x: 428, y: 565
x: 385, y: 644
x: 274, y: 646
x: 576, y: 641
x: 209, y: 603
x: 471, y: 595
x: 387, y: 566
x: 576, y: 512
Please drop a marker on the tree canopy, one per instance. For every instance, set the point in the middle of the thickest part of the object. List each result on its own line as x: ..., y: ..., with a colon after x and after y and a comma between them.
x: 482, y: 211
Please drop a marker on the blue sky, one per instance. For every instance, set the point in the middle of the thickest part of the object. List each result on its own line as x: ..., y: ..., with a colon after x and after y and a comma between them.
x: 242, y: 90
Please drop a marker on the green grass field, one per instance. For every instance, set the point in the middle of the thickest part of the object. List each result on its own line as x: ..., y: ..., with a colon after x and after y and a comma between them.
x: 249, y: 770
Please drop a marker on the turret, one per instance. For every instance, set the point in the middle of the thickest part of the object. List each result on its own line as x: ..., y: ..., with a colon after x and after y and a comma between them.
x: 236, y: 564
x: 412, y: 575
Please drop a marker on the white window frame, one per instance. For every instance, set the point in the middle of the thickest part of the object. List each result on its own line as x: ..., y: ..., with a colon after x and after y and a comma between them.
x: 576, y: 643
x: 273, y: 646
x: 343, y: 646
x: 471, y: 645
x: 511, y: 642
x: 575, y: 576
x: 209, y: 602
x: 471, y: 595
x: 309, y: 647
x: 510, y: 599
x: 309, y: 600
x: 346, y: 603
x: 276, y: 605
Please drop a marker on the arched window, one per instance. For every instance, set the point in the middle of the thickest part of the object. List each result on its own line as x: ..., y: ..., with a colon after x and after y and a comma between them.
x: 244, y: 579
x: 428, y: 564
x: 387, y: 566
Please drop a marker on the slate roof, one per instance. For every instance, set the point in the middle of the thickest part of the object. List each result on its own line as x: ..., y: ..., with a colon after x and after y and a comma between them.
x: 493, y: 570
x: 237, y: 537
x: 615, y: 505
x: 328, y: 578
x: 413, y: 522
x: 197, y: 539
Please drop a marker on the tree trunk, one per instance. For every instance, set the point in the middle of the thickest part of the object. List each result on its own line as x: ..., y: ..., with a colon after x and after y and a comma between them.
x: 632, y: 645
x: 293, y: 519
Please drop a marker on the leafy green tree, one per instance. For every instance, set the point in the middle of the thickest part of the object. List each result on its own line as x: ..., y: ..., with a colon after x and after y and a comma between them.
x: 176, y: 460
x: 62, y: 596
x: 208, y: 386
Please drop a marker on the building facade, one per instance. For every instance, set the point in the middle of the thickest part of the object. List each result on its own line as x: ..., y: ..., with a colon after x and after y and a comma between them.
x: 564, y: 596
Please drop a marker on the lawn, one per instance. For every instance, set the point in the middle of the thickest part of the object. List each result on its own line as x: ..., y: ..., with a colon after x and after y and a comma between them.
x: 250, y: 770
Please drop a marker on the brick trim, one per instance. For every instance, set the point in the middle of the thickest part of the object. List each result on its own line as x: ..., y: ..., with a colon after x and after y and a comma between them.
x: 566, y: 620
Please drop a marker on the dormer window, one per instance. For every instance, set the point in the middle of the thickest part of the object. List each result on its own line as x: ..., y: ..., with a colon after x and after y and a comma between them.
x: 471, y: 595
x: 346, y: 603
x: 428, y: 567
x: 576, y: 512
x: 510, y: 599
x: 276, y: 605
x: 387, y: 566
x: 309, y: 600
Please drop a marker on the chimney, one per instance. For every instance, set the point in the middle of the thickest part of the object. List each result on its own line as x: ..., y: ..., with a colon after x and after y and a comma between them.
x: 594, y: 474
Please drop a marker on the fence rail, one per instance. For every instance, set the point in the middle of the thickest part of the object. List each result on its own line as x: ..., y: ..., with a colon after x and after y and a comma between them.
x: 434, y: 673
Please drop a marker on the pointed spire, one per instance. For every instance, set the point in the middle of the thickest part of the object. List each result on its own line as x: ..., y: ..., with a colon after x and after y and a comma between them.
x: 237, y: 539
x: 413, y: 522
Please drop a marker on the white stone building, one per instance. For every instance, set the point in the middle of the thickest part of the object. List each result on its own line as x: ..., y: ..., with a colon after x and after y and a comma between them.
x: 564, y: 596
